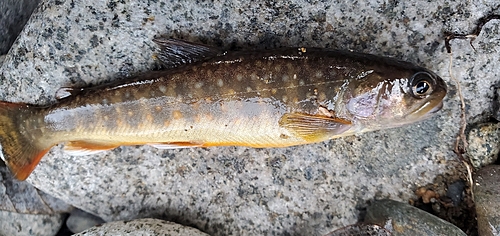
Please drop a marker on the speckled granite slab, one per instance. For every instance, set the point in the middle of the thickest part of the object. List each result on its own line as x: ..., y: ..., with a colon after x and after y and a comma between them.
x: 310, y: 189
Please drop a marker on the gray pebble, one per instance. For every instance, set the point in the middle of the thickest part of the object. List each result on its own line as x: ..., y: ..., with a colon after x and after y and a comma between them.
x: 79, y: 221
x: 143, y: 227
x: 403, y: 219
x: 484, y: 144
x: 486, y: 193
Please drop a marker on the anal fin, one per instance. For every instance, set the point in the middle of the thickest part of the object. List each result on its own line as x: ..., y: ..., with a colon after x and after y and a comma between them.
x: 314, y: 128
x: 81, y: 148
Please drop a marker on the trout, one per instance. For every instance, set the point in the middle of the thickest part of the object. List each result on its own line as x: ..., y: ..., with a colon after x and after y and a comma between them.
x: 210, y: 97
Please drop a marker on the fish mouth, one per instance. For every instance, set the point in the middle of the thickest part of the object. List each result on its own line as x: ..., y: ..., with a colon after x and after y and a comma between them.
x: 436, y: 108
x: 425, y: 111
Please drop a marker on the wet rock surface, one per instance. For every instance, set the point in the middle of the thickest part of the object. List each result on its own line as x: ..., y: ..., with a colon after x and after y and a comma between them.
x: 486, y: 197
x: 403, y: 219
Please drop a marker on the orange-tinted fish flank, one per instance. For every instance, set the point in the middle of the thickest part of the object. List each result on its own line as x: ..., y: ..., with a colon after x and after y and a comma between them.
x: 208, y: 97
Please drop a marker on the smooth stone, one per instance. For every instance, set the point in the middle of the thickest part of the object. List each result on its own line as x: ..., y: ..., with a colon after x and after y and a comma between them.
x: 360, y: 230
x: 483, y: 144
x: 79, y: 221
x: 144, y: 227
x: 403, y: 219
x: 12, y: 223
x: 487, y: 199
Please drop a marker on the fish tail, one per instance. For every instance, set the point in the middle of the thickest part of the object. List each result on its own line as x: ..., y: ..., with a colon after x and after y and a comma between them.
x: 20, y: 150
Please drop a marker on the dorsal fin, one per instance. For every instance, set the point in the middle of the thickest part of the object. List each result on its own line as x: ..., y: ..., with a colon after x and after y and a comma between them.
x: 175, y: 52
x: 65, y: 92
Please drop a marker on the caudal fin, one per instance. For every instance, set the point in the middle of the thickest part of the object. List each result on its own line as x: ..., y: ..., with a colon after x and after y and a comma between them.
x: 20, y: 148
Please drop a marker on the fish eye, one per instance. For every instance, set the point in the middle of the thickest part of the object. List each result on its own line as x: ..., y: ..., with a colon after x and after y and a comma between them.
x: 422, y: 84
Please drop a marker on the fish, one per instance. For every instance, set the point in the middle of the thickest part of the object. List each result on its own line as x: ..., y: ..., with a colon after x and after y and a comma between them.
x: 207, y: 96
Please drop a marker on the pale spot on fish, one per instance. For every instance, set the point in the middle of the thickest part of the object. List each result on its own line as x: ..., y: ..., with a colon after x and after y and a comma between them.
x: 177, y: 114
x: 158, y: 108
x: 197, y: 118
x: 249, y: 89
x: 322, y: 96
x: 149, y: 118
x: 162, y: 88
x: 284, y: 98
x: 258, y: 64
x: 319, y: 74
x: 274, y: 91
x: 294, y: 76
x: 104, y: 102
x: 106, y: 118
x: 277, y: 68
x: 285, y: 78
x: 239, y: 77
x: 220, y: 83
x: 254, y: 76
x: 130, y: 113
x: 301, y: 82
x: 198, y: 85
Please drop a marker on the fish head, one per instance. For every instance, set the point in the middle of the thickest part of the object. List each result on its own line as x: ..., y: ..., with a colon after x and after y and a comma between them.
x: 395, y: 97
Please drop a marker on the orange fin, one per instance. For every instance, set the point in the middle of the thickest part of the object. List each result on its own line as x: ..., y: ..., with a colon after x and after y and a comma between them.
x: 314, y: 128
x: 20, y: 151
x: 82, y: 148
x: 175, y: 145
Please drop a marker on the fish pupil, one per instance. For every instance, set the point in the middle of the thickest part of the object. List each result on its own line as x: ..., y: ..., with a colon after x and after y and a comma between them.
x: 422, y: 87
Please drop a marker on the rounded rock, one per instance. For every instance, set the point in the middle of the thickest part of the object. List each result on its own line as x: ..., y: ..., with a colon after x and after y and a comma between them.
x: 143, y: 227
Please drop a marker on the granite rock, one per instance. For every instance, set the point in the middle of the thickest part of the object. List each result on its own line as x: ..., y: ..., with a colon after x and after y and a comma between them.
x: 12, y: 223
x: 403, y: 219
x: 483, y: 144
x: 311, y: 189
x: 144, y: 227
x: 486, y: 192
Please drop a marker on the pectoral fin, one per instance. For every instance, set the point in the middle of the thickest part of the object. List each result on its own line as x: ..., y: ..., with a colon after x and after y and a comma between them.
x: 81, y: 148
x: 314, y: 128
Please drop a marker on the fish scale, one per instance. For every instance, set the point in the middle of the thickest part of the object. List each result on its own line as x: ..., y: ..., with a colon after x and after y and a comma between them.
x: 209, y: 97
